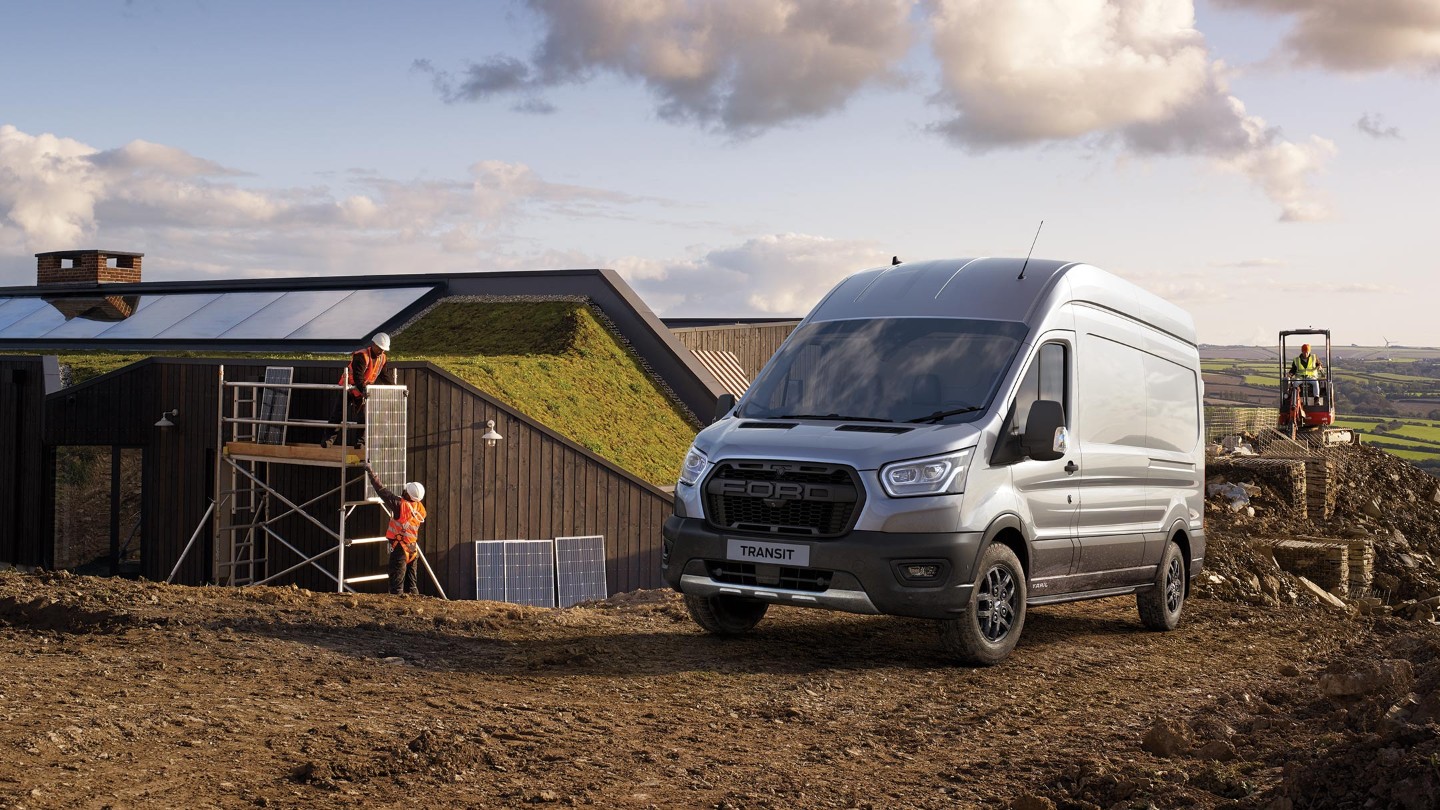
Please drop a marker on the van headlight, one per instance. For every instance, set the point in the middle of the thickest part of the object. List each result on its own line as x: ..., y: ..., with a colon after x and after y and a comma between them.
x: 694, y: 467
x: 937, y: 475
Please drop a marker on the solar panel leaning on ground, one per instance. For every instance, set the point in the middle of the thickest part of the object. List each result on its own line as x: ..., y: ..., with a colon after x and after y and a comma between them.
x: 580, y: 569
x: 517, y: 571
x: 274, y: 405
x: 385, y: 428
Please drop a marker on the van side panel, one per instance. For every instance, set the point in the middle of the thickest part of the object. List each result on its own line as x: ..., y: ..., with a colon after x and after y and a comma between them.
x: 1138, y: 431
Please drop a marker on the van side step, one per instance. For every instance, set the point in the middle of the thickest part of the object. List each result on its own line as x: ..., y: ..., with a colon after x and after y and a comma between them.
x: 1060, y: 598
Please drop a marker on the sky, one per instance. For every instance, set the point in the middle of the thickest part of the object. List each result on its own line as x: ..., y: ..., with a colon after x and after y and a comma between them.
x: 1266, y: 164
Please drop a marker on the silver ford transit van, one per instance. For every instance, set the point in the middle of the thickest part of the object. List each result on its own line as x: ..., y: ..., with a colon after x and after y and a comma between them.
x: 954, y: 440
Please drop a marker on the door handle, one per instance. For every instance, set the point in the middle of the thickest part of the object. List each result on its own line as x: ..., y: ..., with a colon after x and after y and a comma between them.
x: 1071, y: 467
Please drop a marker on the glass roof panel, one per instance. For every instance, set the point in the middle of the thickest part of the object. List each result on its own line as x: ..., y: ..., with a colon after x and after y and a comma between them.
x: 284, y: 315
x: 41, y: 319
x: 88, y: 316
x: 13, y: 309
x: 360, y: 313
x: 213, y: 319
x: 153, y: 318
x: 333, y: 315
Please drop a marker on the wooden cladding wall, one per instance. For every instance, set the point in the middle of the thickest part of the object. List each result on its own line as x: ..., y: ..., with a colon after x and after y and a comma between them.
x: 752, y: 345
x: 22, y: 460
x: 533, y: 485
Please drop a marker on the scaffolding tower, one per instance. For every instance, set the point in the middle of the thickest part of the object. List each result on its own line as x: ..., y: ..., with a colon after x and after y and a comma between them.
x: 253, y: 424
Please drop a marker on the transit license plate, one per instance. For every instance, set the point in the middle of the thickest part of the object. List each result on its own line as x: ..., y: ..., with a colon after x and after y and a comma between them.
x: 787, y: 554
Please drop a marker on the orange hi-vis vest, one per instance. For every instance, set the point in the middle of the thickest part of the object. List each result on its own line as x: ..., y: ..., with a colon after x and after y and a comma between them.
x: 404, y: 530
x: 372, y: 367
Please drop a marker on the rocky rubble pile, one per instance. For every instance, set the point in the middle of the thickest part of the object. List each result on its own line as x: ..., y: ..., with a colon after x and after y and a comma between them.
x: 1379, y: 498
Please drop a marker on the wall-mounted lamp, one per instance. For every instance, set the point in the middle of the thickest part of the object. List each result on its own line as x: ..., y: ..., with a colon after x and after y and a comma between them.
x: 166, y: 417
x: 491, y: 437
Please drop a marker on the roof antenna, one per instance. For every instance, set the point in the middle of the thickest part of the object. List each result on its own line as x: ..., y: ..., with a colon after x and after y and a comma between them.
x: 1021, y: 277
x: 894, y: 260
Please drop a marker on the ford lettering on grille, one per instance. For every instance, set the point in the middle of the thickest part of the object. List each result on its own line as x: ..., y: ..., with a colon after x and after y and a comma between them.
x: 802, y: 499
x: 781, y: 490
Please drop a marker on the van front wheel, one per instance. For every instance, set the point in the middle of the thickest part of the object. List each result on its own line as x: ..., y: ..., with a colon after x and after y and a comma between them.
x: 1161, y: 605
x: 991, y: 624
x: 725, y: 615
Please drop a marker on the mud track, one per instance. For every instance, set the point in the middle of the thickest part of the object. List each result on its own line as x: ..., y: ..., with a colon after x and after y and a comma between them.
x: 127, y: 694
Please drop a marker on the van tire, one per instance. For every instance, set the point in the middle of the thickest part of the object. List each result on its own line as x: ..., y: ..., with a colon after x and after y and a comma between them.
x: 980, y: 637
x: 1161, y: 606
x: 725, y: 615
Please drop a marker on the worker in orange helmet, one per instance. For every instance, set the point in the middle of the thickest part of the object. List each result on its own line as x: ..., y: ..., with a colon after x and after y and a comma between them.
x: 406, y: 514
x: 1306, y: 367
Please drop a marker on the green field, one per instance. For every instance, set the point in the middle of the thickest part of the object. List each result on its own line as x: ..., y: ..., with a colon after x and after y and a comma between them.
x: 1373, y: 396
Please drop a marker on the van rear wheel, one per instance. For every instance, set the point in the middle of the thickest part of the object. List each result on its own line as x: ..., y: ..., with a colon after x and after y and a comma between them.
x: 1160, y: 606
x: 725, y: 615
x: 990, y: 627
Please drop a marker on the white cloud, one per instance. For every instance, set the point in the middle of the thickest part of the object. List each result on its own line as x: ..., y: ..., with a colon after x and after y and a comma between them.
x: 1358, y: 35
x: 1018, y: 71
x: 740, y: 66
x: 1136, y: 72
x: 1013, y: 73
x: 781, y: 275
x: 191, y: 214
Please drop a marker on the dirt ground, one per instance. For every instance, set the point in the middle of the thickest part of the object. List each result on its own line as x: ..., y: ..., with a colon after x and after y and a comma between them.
x: 129, y: 694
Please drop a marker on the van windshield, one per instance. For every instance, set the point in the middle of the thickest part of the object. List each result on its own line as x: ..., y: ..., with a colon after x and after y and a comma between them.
x: 923, y: 370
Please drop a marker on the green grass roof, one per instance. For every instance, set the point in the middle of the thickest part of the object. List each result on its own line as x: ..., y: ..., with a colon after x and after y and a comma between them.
x: 552, y: 361
x: 555, y: 362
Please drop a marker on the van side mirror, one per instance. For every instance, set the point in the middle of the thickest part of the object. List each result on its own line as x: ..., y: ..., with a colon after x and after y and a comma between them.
x: 723, y: 406
x: 1046, y: 438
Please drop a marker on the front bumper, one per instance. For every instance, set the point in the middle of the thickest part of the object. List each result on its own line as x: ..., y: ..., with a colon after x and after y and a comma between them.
x: 856, y: 573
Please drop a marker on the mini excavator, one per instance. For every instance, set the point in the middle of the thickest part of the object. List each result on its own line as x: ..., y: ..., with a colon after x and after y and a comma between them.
x: 1307, y: 405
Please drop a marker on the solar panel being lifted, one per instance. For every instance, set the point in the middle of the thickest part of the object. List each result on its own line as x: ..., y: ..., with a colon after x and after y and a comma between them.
x: 294, y: 315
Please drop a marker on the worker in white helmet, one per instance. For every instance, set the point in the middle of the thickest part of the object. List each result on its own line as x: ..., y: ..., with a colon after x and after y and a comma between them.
x: 406, y: 514
x: 366, y: 367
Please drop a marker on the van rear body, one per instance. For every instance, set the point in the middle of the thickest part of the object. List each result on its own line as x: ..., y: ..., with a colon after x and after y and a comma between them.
x: 949, y: 440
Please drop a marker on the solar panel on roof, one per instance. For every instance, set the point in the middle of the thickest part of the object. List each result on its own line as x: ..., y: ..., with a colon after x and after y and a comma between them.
x: 580, y: 569
x: 517, y: 571
x: 385, y: 436
x: 35, y: 323
x: 336, y: 315
x: 155, y: 315
x: 284, y: 315
x: 219, y: 316
x: 13, y: 309
x: 360, y: 306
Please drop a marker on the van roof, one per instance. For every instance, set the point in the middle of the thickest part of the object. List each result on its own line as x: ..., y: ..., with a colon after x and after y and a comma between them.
x: 990, y: 289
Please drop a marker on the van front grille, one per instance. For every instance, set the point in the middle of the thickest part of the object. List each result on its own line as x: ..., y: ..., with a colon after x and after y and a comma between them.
x: 787, y: 498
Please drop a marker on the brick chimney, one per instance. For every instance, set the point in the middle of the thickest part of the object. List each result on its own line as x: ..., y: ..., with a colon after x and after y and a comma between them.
x: 87, y: 267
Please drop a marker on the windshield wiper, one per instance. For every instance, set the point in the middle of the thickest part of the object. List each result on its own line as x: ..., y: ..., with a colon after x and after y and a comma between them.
x: 833, y: 416
x: 938, y: 415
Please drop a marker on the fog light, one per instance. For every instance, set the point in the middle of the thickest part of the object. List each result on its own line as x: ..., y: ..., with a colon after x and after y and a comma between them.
x: 921, y: 572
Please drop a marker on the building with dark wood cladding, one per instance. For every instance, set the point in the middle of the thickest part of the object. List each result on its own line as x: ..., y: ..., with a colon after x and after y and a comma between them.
x: 535, y: 484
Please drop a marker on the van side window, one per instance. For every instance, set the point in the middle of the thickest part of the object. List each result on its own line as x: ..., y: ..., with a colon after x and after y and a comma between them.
x: 1044, y: 380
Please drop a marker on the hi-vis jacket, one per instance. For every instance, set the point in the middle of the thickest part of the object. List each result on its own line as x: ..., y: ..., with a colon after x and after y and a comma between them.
x: 362, y: 371
x: 404, y: 530
x: 1306, y: 366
